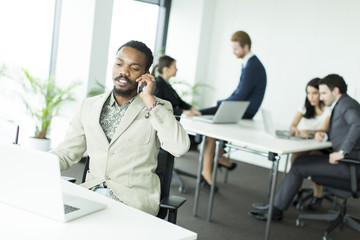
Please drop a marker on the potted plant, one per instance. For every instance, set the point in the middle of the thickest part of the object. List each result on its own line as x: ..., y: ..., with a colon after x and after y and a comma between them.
x: 188, y: 91
x: 43, y: 99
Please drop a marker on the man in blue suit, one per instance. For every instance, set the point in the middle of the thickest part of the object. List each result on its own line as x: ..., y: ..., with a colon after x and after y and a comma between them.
x: 251, y: 88
x: 252, y: 82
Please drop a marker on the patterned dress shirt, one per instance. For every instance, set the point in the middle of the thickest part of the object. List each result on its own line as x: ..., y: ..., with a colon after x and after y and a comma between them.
x: 110, y: 117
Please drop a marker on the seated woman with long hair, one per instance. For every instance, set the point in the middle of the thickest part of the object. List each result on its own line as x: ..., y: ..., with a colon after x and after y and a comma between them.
x: 313, y: 116
x: 166, y: 68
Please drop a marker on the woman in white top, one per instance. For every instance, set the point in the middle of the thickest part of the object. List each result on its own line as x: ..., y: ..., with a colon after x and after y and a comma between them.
x: 312, y: 117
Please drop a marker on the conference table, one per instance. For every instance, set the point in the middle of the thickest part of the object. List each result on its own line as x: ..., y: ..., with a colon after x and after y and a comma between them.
x: 249, y: 136
x: 117, y: 221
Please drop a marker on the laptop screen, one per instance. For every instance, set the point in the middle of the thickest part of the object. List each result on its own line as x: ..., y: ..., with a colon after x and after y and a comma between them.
x: 9, y: 132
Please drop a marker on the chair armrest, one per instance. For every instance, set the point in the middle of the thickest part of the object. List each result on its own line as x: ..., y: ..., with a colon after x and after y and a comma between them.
x: 69, y: 179
x: 172, y: 202
x: 350, y: 161
x: 353, y: 163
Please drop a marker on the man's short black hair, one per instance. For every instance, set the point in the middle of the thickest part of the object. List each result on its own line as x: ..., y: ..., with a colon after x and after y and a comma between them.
x: 334, y: 80
x: 140, y: 46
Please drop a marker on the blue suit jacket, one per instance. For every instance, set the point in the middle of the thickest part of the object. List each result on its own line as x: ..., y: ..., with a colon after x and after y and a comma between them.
x: 251, y: 87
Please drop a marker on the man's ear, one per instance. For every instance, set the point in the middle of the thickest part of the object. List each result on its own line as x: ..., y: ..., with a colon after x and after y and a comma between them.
x: 246, y: 48
x: 336, y: 90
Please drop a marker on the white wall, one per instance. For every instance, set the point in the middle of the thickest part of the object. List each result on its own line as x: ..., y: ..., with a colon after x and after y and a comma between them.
x: 296, y: 41
x: 183, y: 39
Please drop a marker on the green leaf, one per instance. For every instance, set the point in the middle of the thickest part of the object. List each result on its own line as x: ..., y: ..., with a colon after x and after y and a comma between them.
x: 43, y: 99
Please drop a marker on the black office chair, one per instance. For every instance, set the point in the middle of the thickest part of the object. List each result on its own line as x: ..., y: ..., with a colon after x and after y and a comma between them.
x: 169, y: 204
x: 176, y: 173
x: 343, y: 189
x: 307, y: 195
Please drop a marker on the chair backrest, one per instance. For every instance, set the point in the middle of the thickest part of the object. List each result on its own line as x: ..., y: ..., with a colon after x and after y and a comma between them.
x: 164, y: 171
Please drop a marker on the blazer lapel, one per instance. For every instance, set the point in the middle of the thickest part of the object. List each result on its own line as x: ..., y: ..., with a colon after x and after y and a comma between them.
x: 95, y: 121
x: 335, y: 114
x: 134, y: 109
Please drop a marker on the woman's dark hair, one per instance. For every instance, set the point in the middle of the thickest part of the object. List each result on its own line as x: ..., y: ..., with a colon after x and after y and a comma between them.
x: 164, y: 61
x: 309, y: 109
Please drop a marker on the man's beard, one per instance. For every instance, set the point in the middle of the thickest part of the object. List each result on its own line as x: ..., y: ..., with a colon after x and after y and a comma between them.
x: 125, y: 93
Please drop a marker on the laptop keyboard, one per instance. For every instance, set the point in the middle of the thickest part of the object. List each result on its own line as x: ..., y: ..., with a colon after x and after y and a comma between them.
x: 209, y: 117
x: 69, y: 209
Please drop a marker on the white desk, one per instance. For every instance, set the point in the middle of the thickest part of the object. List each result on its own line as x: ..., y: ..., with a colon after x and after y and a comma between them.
x: 248, y: 135
x: 117, y: 221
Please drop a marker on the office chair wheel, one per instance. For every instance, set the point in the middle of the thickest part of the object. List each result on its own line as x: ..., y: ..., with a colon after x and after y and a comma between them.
x: 300, y: 206
x: 299, y: 223
x: 341, y: 227
x: 182, y: 189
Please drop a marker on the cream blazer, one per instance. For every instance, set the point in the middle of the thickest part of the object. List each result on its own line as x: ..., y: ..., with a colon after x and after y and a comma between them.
x: 127, y: 164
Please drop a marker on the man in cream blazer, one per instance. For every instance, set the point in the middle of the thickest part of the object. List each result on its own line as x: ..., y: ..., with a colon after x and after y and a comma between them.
x: 124, y: 162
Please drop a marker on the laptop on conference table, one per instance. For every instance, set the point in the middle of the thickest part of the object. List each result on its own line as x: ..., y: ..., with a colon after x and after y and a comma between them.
x: 9, y: 132
x: 30, y: 180
x: 228, y: 112
x: 270, y: 127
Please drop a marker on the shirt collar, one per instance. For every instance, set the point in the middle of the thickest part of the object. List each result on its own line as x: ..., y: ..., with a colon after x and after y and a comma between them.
x: 247, y: 57
x: 334, y: 103
x: 114, y: 103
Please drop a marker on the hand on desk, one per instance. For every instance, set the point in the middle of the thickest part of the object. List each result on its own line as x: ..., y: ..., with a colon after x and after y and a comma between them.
x: 192, y: 112
x: 319, y: 136
x: 294, y: 131
x: 304, y: 134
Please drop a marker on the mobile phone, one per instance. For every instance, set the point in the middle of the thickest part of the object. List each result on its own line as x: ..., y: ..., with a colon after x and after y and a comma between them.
x: 141, y: 87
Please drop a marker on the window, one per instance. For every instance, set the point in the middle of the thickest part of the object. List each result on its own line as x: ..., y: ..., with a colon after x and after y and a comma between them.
x: 26, y: 42
x: 131, y: 20
x: 26, y: 36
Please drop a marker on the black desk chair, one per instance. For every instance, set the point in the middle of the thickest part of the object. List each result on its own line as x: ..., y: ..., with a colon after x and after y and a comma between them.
x: 195, y: 140
x: 343, y: 189
x: 169, y: 204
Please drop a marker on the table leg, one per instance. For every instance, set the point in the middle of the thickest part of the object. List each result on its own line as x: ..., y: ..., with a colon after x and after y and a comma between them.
x: 219, y: 145
x: 226, y: 170
x: 197, y: 190
x: 275, y: 159
x: 286, y: 164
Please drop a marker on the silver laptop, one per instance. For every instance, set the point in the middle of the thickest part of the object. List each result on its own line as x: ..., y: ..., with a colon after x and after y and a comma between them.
x: 9, y: 131
x: 30, y: 180
x: 270, y: 127
x: 228, y: 112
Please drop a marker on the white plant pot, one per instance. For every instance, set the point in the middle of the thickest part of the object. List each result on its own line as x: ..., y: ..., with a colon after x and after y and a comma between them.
x: 39, y: 144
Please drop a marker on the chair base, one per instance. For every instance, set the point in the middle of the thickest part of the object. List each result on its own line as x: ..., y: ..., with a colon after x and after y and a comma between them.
x: 338, y: 220
x: 176, y: 175
x: 308, y: 194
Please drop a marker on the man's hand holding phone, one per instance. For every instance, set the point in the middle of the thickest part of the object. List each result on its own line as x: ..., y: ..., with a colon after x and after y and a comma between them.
x: 146, y: 88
